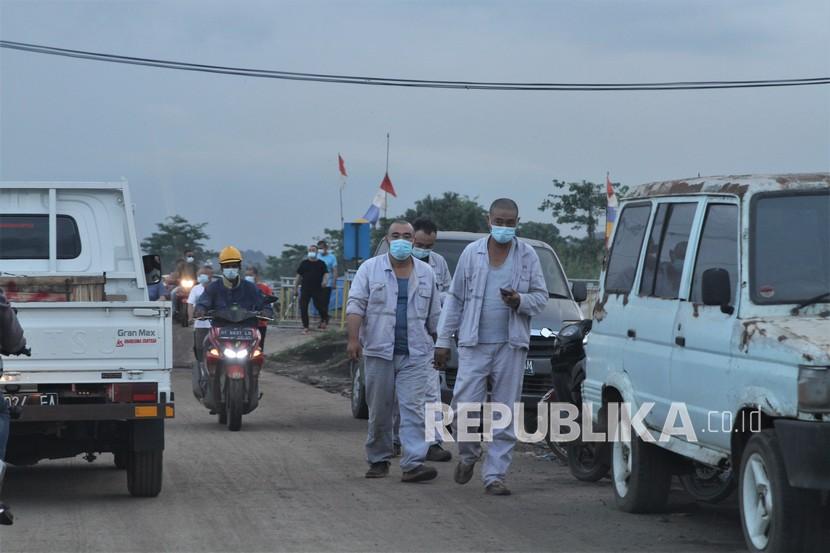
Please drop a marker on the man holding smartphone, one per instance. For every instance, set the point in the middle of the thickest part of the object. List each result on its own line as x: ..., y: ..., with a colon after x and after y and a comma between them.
x: 498, y: 286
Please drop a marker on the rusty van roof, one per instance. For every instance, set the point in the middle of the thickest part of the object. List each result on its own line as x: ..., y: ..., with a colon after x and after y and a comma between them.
x: 733, y: 185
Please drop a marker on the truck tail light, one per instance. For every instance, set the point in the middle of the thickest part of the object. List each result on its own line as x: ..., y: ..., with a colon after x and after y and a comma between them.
x: 814, y: 389
x: 139, y: 392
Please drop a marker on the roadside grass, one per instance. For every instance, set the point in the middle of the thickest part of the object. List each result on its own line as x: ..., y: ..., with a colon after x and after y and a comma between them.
x: 321, y: 362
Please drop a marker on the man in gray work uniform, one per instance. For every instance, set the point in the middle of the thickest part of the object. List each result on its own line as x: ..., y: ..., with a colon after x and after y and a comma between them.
x: 392, y: 315
x: 498, y: 286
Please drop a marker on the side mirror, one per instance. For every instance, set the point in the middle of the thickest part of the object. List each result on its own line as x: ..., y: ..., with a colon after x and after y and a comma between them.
x: 152, y: 268
x: 580, y: 291
x: 717, y: 289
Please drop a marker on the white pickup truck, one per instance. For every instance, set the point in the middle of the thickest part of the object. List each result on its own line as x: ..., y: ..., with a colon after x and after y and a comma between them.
x: 98, y: 379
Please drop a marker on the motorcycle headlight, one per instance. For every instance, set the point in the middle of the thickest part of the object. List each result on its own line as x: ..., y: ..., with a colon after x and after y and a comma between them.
x: 814, y: 389
x: 187, y: 283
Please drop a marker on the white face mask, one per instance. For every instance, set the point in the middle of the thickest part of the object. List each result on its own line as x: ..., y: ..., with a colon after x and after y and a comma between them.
x: 250, y: 278
x: 230, y: 272
x: 312, y: 255
x: 189, y: 259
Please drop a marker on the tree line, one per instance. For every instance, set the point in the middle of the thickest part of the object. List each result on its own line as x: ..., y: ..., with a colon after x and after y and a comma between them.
x: 579, y: 205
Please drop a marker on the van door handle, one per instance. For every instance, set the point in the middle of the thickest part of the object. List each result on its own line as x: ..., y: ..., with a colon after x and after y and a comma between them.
x: 632, y: 333
x: 680, y: 341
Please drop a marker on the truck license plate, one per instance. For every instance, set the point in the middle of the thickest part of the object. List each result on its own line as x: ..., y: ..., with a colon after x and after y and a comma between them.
x: 21, y: 400
x: 529, y: 370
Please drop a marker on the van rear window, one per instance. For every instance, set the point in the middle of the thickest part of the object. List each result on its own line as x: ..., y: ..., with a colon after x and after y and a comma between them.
x: 27, y: 237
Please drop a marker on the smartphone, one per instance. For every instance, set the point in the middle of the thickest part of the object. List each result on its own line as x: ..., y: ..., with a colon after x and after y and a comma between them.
x: 506, y: 291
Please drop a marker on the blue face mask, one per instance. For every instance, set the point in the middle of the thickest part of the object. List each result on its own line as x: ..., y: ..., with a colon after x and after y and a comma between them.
x: 502, y: 235
x: 250, y: 278
x: 400, y: 249
x: 421, y: 253
x: 312, y: 255
x: 203, y: 279
x: 231, y: 273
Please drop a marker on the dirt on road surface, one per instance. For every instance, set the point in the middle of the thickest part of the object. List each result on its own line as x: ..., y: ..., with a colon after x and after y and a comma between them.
x: 292, y: 480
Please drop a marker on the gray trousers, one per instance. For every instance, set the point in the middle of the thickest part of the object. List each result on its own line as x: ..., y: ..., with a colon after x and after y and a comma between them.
x: 401, y: 379
x: 432, y: 394
x: 199, y: 335
x: 503, y: 367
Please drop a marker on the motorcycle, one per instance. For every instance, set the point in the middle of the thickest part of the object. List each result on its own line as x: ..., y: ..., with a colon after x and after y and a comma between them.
x: 587, y: 461
x: 232, y: 362
x: 181, y: 293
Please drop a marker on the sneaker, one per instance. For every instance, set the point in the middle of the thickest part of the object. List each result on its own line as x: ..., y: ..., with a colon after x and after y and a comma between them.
x: 463, y: 472
x: 378, y: 470
x: 396, y: 450
x: 438, y: 454
x: 421, y: 473
x: 497, y: 488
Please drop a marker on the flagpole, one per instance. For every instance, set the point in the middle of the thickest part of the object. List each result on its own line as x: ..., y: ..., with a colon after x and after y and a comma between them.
x: 386, y: 194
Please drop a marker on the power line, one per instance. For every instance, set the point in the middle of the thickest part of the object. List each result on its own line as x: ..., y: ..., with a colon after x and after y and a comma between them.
x: 411, y: 83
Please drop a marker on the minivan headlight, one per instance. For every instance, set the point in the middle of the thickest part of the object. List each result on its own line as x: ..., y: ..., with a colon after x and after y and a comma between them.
x: 814, y: 389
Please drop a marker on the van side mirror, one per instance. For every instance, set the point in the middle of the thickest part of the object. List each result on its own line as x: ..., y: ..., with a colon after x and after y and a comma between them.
x: 580, y: 291
x: 717, y: 289
x: 152, y: 268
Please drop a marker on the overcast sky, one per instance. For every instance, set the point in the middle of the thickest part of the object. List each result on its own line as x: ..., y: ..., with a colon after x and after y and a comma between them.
x: 257, y: 158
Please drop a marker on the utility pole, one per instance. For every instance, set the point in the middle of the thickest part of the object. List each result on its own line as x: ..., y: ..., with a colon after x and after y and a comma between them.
x: 386, y: 194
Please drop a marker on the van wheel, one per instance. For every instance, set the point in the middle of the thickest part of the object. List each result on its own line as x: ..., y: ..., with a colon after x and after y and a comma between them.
x: 144, y: 470
x: 773, y: 514
x: 642, y: 475
x: 360, y: 409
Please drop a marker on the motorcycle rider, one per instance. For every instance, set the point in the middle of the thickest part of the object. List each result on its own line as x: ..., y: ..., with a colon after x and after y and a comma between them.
x: 12, y: 342
x: 231, y: 289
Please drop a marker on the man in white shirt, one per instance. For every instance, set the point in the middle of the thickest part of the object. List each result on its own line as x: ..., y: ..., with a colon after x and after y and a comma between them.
x: 200, y: 328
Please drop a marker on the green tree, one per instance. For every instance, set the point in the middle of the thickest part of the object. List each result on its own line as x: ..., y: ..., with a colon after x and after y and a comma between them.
x: 546, y: 232
x: 452, y: 211
x: 174, y: 236
x: 286, y: 264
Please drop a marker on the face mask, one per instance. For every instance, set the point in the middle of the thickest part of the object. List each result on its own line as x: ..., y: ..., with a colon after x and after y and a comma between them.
x: 312, y: 255
x: 231, y: 273
x: 250, y: 278
x: 421, y: 253
x: 400, y: 249
x: 203, y: 279
x: 502, y: 235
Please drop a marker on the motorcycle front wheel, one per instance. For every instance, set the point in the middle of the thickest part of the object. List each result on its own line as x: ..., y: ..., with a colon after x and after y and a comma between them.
x: 235, y: 404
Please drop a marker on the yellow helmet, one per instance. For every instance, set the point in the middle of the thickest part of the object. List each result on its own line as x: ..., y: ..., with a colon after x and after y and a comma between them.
x: 229, y: 254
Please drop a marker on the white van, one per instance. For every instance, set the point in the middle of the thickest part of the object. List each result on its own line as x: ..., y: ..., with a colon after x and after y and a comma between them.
x: 98, y: 379
x: 715, y: 302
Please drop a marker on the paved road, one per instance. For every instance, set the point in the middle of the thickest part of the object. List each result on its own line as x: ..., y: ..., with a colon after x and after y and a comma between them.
x: 292, y: 480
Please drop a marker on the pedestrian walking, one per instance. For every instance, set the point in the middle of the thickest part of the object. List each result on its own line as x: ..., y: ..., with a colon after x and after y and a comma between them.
x: 392, y: 315
x: 327, y: 257
x: 497, y: 287
x: 312, y: 275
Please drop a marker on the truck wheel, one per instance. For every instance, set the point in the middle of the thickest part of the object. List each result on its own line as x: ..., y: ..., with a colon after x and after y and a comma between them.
x: 708, y: 484
x: 144, y: 470
x: 119, y: 460
x: 360, y: 410
x: 774, y: 515
x: 642, y: 475
x: 235, y: 404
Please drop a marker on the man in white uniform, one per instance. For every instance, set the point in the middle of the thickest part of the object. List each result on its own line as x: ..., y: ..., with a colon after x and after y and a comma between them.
x: 498, y: 286
x: 200, y: 328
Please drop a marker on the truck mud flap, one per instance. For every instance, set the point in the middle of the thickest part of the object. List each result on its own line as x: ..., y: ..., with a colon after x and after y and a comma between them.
x: 147, y: 435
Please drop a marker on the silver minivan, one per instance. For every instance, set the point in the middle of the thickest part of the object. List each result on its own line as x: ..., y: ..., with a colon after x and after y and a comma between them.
x: 714, y: 321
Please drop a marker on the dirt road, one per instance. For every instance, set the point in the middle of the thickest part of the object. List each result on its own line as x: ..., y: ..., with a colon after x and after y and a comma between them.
x: 292, y: 480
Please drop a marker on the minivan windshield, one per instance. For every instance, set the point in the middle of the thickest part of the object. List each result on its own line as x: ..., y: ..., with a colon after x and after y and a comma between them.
x: 789, y: 243
x: 557, y: 285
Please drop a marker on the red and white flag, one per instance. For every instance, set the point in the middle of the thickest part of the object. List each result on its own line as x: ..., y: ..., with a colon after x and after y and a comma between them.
x: 342, y: 165
x: 386, y: 186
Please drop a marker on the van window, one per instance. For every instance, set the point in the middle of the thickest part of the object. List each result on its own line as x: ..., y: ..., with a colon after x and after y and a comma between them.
x: 667, y: 250
x: 625, y: 251
x: 718, y: 247
x: 27, y: 237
